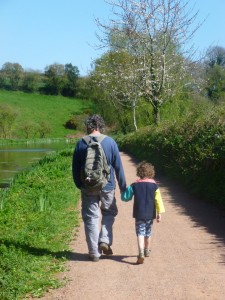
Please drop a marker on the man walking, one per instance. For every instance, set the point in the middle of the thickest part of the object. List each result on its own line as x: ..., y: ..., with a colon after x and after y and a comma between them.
x: 98, y: 241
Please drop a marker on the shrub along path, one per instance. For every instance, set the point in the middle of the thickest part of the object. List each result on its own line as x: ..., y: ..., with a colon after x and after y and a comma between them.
x: 187, y: 259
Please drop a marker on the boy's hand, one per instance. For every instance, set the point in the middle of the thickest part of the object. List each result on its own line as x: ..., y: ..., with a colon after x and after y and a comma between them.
x: 158, y: 218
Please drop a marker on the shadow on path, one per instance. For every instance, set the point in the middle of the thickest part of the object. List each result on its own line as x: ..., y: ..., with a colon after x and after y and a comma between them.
x: 68, y: 255
x: 203, y: 214
x: 73, y: 256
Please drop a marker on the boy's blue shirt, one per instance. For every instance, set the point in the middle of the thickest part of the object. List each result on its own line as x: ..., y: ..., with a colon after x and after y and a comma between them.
x: 113, y: 158
x: 147, y: 198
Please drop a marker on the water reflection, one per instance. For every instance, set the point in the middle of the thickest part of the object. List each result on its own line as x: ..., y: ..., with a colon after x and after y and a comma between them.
x: 15, y: 158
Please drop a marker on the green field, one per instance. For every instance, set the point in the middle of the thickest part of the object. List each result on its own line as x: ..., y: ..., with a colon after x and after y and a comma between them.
x: 36, y: 108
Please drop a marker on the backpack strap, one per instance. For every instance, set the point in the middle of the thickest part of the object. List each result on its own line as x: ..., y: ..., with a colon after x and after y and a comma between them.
x: 87, y: 139
x: 98, y: 139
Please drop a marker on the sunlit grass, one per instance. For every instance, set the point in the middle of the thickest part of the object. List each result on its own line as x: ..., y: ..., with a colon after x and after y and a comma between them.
x: 35, y: 108
x: 37, y: 218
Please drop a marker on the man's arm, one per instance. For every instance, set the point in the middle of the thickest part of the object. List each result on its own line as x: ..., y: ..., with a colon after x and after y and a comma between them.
x: 119, y: 171
x: 76, y: 166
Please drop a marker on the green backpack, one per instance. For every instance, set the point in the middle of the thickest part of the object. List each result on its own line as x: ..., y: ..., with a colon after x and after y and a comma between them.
x: 96, y: 171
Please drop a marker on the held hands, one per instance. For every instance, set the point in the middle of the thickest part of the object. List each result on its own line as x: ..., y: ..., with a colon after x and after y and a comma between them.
x: 158, y: 218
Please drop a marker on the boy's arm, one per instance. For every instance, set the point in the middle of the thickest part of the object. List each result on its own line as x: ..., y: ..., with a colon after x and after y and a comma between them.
x: 159, y: 203
x: 127, y: 195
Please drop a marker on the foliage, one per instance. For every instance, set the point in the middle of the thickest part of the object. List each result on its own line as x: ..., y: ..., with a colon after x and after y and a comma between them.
x: 55, y: 79
x: 61, y: 80
x: 215, y: 86
x: 191, y: 150
x: 71, y: 76
x: 77, y: 122
x: 115, y: 73
x: 44, y: 129
x: 28, y: 129
x: 84, y: 90
x: 12, y: 73
x: 215, y: 56
x: 215, y: 74
x: 30, y: 82
x: 37, y: 218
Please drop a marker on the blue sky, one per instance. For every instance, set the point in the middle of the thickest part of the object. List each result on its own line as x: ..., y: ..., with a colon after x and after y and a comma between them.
x: 37, y: 33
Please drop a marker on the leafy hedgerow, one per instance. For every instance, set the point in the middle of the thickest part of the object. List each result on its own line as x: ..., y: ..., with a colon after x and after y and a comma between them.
x: 191, y: 150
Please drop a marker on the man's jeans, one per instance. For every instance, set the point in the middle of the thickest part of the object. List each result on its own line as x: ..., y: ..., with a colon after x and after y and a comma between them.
x: 90, y: 214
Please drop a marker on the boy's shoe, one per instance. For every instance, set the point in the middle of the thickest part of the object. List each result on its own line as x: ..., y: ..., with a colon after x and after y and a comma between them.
x: 106, y: 249
x: 147, y: 252
x: 140, y: 259
x: 93, y: 258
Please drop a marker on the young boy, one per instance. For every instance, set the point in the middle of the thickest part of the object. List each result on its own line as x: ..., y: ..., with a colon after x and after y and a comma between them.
x: 148, y: 205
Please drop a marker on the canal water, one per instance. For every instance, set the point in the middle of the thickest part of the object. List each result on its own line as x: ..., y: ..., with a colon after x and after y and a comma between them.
x: 17, y: 157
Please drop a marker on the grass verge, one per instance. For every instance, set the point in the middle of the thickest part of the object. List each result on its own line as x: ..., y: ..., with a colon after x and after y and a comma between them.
x: 38, y: 215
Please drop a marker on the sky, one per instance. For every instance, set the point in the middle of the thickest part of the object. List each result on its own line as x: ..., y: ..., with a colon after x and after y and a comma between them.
x: 38, y: 33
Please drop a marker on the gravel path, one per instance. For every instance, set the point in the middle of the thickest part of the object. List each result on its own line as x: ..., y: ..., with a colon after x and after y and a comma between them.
x: 187, y: 261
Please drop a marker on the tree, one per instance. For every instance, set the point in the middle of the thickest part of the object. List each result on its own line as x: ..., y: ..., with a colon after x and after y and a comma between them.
x: 215, y: 73
x: 44, y: 129
x: 30, y: 81
x: 29, y: 129
x: 7, y: 118
x: 61, y: 79
x: 215, y: 83
x: 116, y: 74
x: 215, y: 56
x: 156, y: 33
x: 13, y: 73
x: 55, y: 79
x: 71, y: 77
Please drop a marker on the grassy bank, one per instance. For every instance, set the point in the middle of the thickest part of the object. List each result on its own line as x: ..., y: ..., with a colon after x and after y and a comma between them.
x: 191, y: 150
x: 33, y: 109
x: 37, y: 217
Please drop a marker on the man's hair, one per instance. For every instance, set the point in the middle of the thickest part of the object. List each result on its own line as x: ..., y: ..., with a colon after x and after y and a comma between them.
x: 95, y: 122
x: 145, y: 170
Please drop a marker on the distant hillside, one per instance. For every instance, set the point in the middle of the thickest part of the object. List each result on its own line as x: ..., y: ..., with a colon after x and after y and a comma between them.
x: 35, y: 109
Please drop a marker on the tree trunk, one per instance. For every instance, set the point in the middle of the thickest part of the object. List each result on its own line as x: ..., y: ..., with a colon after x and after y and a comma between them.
x: 134, y: 117
x: 156, y: 115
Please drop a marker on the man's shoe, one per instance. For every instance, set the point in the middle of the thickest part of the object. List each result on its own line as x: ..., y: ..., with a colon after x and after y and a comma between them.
x: 93, y: 258
x: 108, y: 252
x: 140, y: 259
x: 106, y: 249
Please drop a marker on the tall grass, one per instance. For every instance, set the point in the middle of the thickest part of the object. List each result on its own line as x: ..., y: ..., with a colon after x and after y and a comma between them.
x: 37, y: 218
x: 36, y: 108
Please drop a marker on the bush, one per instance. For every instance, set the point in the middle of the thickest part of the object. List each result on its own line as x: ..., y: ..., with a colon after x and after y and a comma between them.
x: 44, y: 128
x: 7, y: 118
x: 77, y: 122
x: 71, y: 123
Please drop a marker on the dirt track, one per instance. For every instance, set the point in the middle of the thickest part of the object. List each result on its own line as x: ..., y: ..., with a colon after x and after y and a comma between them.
x: 187, y: 261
